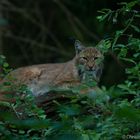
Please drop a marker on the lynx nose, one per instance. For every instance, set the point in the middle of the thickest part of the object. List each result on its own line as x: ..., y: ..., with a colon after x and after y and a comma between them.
x: 90, y: 68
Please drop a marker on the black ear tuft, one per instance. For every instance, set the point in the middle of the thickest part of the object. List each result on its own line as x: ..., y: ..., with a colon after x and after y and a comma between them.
x: 78, y: 46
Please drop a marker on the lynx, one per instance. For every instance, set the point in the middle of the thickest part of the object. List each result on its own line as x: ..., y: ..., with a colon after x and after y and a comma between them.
x: 87, y: 63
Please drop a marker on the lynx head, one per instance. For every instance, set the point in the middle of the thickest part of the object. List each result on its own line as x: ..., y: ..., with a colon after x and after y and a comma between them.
x: 89, y: 62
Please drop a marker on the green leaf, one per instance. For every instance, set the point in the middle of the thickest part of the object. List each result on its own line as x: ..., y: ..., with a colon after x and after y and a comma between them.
x: 66, y: 136
x: 85, y: 137
x: 6, y: 104
x: 128, y: 60
x: 31, y: 124
x: 118, y: 33
x: 106, y: 13
x: 5, y: 65
x: 127, y: 111
x: 70, y: 110
x: 123, y: 52
x: 132, y: 4
x: 135, y: 28
x: 94, y: 136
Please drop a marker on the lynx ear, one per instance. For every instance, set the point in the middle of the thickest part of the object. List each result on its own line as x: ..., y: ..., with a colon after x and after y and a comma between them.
x: 78, y: 46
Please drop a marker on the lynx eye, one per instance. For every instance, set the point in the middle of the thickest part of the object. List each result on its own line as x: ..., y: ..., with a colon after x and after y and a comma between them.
x: 95, y: 58
x: 84, y: 58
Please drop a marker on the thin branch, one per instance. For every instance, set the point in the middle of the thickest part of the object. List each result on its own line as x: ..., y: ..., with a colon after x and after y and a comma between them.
x: 78, y: 22
x: 27, y: 15
x: 33, y: 42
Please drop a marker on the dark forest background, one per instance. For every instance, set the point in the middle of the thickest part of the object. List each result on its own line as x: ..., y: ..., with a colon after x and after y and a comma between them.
x: 40, y: 31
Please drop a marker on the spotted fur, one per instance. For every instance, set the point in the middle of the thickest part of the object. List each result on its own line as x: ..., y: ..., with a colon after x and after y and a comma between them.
x: 87, y: 64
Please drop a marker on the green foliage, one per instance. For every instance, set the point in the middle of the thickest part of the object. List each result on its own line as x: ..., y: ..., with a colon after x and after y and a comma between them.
x: 4, y: 66
x: 80, y: 117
